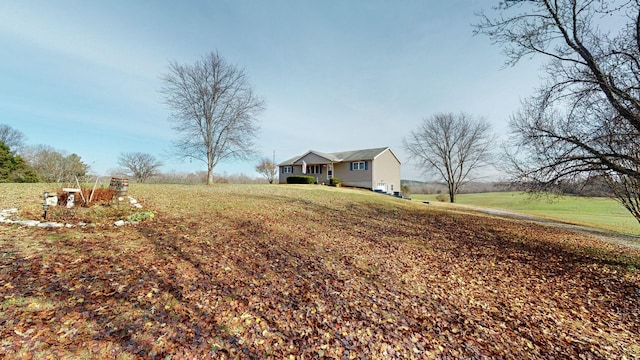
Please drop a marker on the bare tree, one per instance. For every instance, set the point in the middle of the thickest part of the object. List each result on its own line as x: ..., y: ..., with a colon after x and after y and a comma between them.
x: 140, y: 166
x: 268, y: 169
x: 452, y: 147
x: 11, y: 137
x: 214, y: 110
x: 53, y: 165
x: 585, y: 120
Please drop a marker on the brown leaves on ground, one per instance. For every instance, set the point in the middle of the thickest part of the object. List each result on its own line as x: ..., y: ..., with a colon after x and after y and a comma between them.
x: 308, y: 272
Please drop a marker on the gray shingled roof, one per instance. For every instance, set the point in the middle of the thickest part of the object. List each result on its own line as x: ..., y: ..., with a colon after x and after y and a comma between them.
x: 289, y: 161
x: 329, y: 156
x: 365, y: 154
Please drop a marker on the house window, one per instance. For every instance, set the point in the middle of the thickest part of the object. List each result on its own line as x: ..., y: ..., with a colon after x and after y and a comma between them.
x: 314, y: 169
x: 287, y: 169
x: 359, y: 165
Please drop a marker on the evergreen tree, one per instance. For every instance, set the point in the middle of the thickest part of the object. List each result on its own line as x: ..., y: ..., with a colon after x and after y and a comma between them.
x: 13, y: 168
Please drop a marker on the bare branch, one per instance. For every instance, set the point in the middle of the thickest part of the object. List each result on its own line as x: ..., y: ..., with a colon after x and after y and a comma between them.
x: 451, y: 146
x: 11, y: 137
x: 141, y: 166
x: 214, y: 110
x: 268, y: 169
x: 585, y: 121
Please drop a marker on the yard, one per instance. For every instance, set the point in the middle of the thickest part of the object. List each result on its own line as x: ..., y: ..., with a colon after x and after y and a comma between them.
x: 307, y: 271
x: 598, y: 212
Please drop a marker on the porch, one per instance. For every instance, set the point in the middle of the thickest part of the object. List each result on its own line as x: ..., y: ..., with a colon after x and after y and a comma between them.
x: 323, y: 172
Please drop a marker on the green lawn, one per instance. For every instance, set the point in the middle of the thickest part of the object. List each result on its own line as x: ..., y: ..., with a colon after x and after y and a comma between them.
x: 602, y: 213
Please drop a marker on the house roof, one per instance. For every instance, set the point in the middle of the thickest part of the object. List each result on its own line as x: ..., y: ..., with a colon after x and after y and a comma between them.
x: 328, y: 156
x: 365, y: 154
x: 353, y: 155
x: 289, y: 161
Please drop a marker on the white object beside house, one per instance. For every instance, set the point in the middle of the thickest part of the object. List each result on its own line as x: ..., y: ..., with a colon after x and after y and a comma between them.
x: 374, y: 169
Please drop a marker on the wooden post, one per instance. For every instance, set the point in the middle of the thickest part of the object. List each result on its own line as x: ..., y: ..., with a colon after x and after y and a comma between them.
x: 94, y: 189
x: 80, y: 187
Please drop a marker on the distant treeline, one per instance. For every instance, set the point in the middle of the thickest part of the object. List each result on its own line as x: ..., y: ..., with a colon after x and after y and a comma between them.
x: 200, y: 177
x: 591, y: 187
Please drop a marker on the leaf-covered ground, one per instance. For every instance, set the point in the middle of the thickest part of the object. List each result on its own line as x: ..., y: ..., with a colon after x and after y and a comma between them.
x: 308, y: 272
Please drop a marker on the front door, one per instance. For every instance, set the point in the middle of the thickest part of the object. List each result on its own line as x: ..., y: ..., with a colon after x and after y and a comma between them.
x: 329, y: 171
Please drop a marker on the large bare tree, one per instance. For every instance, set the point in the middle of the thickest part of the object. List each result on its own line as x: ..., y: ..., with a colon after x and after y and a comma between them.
x: 11, y: 137
x: 140, y: 165
x: 451, y: 146
x: 584, y: 121
x: 214, y: 110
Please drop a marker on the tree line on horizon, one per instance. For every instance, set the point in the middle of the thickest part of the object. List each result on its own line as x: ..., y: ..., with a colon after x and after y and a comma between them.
x: 41, y: 163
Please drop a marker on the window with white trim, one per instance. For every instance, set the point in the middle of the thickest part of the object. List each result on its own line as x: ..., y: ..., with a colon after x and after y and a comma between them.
x: 287, y: 169
x: 359, y: 165
x: 314, y: 169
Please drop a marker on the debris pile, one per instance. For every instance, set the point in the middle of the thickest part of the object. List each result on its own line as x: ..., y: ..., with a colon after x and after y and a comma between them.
x: 64, y: 216
x: 88, y: 197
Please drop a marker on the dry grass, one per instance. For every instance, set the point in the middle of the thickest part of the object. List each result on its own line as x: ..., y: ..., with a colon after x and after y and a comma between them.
x: 259, y: 271
x: 103, y: 210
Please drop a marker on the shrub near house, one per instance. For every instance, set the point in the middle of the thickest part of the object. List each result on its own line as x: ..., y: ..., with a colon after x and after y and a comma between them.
x: 298, y: 179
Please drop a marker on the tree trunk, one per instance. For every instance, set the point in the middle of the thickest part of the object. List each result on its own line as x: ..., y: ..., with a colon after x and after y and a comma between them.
x: 209, y: 176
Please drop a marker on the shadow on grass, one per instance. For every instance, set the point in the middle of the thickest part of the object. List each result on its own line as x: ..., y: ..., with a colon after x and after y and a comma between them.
x: 195, y: 283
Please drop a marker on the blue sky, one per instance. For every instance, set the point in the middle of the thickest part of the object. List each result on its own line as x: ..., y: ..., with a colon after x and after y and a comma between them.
x: 84, y: 76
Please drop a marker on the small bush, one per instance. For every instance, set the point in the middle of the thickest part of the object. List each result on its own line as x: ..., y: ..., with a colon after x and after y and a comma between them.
x: 441, y: 197
x: 335, y: 182
x: 301, y: 179
x: 139, y: 216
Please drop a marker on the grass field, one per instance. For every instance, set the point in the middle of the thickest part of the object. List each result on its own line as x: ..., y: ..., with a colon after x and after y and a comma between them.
x: 601, y: 213
x: 307, y: 272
